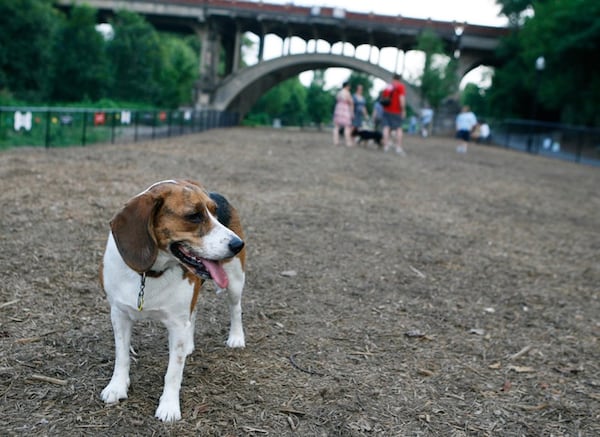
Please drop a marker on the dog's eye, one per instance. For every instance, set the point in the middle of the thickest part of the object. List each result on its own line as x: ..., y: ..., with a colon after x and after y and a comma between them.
x: 197, y: 217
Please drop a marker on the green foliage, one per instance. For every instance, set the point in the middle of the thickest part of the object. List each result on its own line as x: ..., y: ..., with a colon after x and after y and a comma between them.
x: 474, y: 97
x: 567, y: 34
x: 46, y: 57
x: 133, y: 55
x: 178, y: 72
x: 81, y: 65
x: 286, y: 101
x: 439, y: 78
x: 319, y: 102
x: 26, y: 60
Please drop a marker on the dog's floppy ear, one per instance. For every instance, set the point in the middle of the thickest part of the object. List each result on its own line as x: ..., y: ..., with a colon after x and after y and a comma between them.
x: 133, y: 231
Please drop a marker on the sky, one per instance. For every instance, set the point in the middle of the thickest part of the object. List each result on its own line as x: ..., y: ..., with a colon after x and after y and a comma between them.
x: 482, y: 12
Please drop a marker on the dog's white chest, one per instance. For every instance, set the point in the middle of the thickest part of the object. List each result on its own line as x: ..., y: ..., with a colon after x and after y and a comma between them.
x: 162, y: 297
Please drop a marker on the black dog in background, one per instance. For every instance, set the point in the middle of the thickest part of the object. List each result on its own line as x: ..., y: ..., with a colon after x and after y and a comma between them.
x: 365, y: 135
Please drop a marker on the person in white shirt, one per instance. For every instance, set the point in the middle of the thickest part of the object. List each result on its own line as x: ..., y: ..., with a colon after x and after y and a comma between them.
x: 426, y: 119
x: 465, y: 122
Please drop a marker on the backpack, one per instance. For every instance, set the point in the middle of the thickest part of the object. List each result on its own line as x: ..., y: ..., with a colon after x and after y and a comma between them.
x: 385, y: 98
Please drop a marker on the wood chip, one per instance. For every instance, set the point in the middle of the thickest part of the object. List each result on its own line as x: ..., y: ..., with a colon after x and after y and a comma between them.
x: 48, y: 379
x: 521, y: 369
x: 11, y: 302
x: 520, y: 353
x: 419, y: 273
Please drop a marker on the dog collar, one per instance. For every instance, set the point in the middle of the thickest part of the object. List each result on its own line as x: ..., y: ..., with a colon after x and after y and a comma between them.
x: 140, y: 299
x: 143, y: 275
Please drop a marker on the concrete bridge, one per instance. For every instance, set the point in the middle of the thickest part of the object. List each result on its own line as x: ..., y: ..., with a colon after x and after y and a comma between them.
x: 243, y: 89
x: 220, y: 24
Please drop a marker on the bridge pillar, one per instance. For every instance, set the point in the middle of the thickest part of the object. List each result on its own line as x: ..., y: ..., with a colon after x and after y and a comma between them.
x: 209, y: 63
x: 237, y: 49
x: 261, y: 44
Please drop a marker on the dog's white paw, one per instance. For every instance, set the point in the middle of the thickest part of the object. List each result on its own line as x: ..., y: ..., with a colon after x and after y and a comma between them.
x: 236, y: 340
x: 114, y: 391
x: 168, y: 410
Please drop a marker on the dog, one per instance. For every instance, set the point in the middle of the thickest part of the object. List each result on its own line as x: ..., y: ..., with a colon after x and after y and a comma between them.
x: 365, y: 135
x: 162, y: 246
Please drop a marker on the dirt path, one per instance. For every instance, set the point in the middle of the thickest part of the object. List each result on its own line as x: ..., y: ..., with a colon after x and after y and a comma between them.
x: 431, y: 295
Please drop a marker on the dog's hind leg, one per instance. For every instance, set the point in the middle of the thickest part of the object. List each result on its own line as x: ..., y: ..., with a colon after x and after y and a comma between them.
x: 234, y: 299
x: 119, y: 383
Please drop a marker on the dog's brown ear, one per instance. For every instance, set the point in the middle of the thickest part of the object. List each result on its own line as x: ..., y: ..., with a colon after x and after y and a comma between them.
x: 133, y: 231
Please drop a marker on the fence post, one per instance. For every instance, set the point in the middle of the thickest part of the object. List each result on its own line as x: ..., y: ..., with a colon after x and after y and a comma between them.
x: 84, y: 129
x: 153, y: 125
x: 169, y: 123
x: 47, y: 139
x: 136, y: 117
x: 579, y: 147
x: 112, y: 128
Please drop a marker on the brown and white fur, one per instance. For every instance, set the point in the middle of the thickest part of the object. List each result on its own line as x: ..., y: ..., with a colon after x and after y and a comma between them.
x: 175, y: 235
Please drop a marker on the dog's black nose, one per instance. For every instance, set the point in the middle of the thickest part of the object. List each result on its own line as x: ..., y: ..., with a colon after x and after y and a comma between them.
x: 236, y: 244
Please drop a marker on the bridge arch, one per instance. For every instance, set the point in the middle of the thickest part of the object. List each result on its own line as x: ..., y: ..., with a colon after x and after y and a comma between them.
x: 240, y: 91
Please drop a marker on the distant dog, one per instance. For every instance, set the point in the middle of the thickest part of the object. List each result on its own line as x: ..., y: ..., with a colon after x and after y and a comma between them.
x: 365, y: 135
x: 163, y: 244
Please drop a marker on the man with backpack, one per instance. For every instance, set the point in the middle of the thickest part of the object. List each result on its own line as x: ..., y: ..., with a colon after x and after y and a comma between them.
x: 393, y: 100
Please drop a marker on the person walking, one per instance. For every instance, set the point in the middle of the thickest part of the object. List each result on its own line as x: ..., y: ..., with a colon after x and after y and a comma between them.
x: 465, y: 122
x: 342, y: 115
x: 426, y: 121
x: 393, y: 114
x: 360, y: 108
x: 377, y: 115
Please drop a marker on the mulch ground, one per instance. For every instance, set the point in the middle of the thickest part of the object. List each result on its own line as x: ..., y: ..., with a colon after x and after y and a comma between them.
x: 435, y: 294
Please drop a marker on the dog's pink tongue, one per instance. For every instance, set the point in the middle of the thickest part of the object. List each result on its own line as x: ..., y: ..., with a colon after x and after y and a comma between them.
x: 216, y: 272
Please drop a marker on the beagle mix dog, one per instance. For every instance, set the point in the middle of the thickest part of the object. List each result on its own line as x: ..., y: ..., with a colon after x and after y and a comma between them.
x: 163, y: 245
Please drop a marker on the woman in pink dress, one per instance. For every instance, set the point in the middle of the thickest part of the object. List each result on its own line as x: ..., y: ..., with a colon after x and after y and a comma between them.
x: 342, y: 115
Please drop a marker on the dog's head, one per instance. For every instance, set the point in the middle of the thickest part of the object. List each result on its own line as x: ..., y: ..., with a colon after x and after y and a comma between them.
x: 180, y: 219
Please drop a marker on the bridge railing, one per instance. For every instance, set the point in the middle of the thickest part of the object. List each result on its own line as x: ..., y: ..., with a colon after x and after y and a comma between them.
x: 57, y: 127
x: 555, y: 140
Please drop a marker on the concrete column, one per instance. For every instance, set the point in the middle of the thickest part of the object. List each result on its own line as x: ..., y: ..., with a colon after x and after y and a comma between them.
x: 237, y: 49
x: 208, y: 66
x: 261, y: 43
x: 289, y: 43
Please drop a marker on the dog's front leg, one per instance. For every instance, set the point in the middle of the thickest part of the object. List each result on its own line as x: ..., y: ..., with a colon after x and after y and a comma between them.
x: 119, y: 383
x: 181, y: 344
x: 234, y: 298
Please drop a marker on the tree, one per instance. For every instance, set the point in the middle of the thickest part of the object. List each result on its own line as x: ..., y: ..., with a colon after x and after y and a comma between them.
x: 294, y: 108
x: 319, y: 102
x: 26, y: 58
x: 567, y: 34
x: 134, y: 53
x: 517, y: 10
x: 178, y: 73
x: 286, y: 101
x: 81, y: 69
x: 474, y: 97
x: 438, y: 80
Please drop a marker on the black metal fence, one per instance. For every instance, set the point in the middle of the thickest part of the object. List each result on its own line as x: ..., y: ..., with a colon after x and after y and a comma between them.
x: 56, y: 127
x: 571, y: 143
